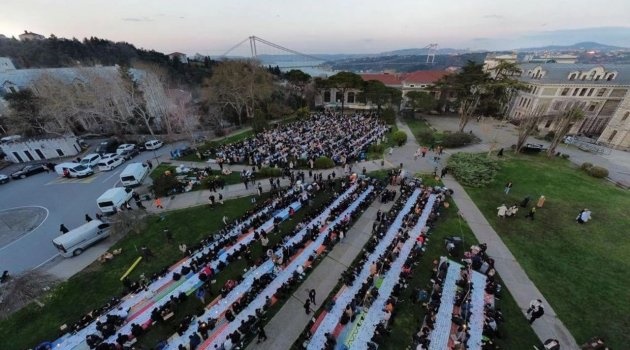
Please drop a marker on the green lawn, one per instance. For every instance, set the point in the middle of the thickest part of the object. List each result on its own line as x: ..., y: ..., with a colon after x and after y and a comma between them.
x: 582, y: 270
x: 95, y: 285
x: 516, y: 334
x: 423, y: 132
x: 231, y: 179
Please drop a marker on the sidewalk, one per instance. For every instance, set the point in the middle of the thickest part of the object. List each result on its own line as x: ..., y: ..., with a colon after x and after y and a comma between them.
x: 514, y: 277
x: 281, y: 333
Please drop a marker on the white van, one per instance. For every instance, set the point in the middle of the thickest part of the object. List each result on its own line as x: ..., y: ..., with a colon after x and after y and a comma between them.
x: 113, y: 198
x: 91, y: 160
x: 74, y: 169
x: 153, y: 144
x: 133, y: 174
x: 76, y: 241
x: 110, y: 163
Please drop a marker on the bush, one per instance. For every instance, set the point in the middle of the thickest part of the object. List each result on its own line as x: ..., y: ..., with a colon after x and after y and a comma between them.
x: 376, y: 148
x: 324, y: 163
x: 426, y: 137
x: 473, y: 169
x: 550, y: 135
x: 389, y: 116
x: 565, y: 156
x: 598, y: 172
x: 399, y: 137
x: 586, y: 166
x: 269, y: 172
x: 220, y: 132
x: 457, y: 139
x: 163, y: 185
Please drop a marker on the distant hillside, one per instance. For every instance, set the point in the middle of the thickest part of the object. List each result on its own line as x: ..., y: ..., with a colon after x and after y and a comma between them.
x: 423, y: 51
x: 582, y: 46
x: 59, y: 52
x: 407, y: 63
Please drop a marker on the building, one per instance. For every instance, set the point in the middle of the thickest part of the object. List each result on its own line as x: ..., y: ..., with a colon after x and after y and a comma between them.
x: 178, y: 56
x: 406, y: 82
x: 41, y: 148
x: 492, y: 60
x: 26, y: 36
x: 551, y: 58
x: 601, y: 91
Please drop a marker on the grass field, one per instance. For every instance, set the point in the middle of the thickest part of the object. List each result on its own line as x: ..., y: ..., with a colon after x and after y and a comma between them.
x: 94, y: 286
x: 423, y: 132
x: 516, y: 334
x: 582, y: 270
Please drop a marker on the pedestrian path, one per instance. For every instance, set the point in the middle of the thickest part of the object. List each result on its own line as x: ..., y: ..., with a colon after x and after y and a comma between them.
x: 280, y: 332
x: 514, y: 277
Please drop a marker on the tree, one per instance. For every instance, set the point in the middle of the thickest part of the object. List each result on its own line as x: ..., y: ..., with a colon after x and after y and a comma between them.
x: 376, y: 92
x: 565, y: 122
x: 528, y: 124
x: 24, y: 113
x: 343, y: 82
x: 239, y: 85
x: 420, y: 100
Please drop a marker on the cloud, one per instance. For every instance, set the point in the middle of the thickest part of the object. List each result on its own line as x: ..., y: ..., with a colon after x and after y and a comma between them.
x: 137, y: 19
x: 493, y: 16
x: 481, y: 39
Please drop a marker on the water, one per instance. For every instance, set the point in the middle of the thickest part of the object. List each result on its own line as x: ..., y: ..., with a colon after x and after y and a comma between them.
x: 308, y: 67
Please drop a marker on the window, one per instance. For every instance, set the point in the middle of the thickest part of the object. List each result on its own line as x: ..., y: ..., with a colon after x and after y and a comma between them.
x: 625, y: 116
x: 592, y: 107
x: 575, y: 92
x: 565, y: 91
x: 612, y: 135
x: 584, y: 77
x: 29, y: 156
x: 351, y: 97
x: 556, y: 105
x: 601, y: 92
x: 60, y: 152
x: 597, y: 77
x: 327, y: 96
x: 583, y: 92
x: 412, y: 85
x: 590, y: 92
x: 338, y: 96
x: 40, y: 154
x: 572, y: 76
x: 611, y: 77
x: 548, y: 124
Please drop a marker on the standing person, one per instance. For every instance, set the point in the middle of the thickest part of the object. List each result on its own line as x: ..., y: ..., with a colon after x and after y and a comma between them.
x: 536, y: 310
x: 307, y: 306
x: 541, y: 202
x: 220, y: 198
x: 262, y: 336
x: 211, y: 200
x: 311, y: 296
x: 168, y: 235
x: 391, y: 150
x: 158, y: 203
x: 149, y: 164
x: 444, y: 172
x: 424, y: 151
x: 260, y: 189
x: 87, y: 218
x: 63, y: 229
x: 508, y: 187
x: 531, y: 213
x: 225, y: 220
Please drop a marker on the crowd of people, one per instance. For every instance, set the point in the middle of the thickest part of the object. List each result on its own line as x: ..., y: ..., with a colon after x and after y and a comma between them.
x: 340, y: 138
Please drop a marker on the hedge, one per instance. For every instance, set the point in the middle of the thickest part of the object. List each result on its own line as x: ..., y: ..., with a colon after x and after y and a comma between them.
x: 399, y: 137
x: 269, y: 172
x: 457, y: 139
x: 473, y: 169
x: 324, y: 163
x: 598, y: 172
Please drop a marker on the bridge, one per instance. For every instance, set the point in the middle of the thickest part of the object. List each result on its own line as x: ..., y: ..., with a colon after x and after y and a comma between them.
x: 254, y: 43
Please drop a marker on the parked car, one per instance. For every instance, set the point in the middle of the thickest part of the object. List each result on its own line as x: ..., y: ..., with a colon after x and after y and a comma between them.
x: 91, y: 160
x: 153, y: 144
x: 110, y: 163
x: 107, y: 156
x: 129, y: 154
x: 28, y: 170
x: 125, y: 147
x: 108, y: 146
x: 73, y: 170
x: 4, y: 179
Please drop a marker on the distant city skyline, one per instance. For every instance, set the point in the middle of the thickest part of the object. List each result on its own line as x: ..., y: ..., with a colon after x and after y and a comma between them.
x: 326, y: 26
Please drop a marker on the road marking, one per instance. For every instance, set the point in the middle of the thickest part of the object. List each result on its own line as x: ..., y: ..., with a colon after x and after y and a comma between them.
x: 29, y: 232
x: 112, y: 175
x: 45, y: 262
x: 85, y: 180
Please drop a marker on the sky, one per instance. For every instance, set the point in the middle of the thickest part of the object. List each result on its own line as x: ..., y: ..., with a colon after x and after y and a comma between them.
x: 324, y: 26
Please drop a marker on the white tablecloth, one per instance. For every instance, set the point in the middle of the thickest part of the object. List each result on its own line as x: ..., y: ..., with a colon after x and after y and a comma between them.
x: 375, y: 313
x: 443, y: 321
x: 266, y: 267
x: 331, y: 319
x: 477, y: 317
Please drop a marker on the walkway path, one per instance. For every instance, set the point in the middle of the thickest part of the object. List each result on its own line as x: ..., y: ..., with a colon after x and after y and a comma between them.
x: 514, y: 277
x: 283, y: 333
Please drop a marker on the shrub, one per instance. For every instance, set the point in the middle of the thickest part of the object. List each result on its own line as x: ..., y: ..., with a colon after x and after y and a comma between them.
x: 376, y: 148
x: 324, y: 163
x: 164, y: 184
x: 426, y: 137
x: 389, y: 116
x: 457, y: 139
x: 473, y: 169
x: 550, y: 135
x: 598, y: 172
x: 269, y: 172
x: 399, y: 137
x: 220, y: 132
x: 586, y: 166
x: 565, y: 156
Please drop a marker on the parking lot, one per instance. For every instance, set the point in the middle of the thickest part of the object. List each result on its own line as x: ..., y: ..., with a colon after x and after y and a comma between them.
x: 66, y: 201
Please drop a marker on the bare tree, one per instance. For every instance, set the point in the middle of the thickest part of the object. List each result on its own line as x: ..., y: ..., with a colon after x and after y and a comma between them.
x: 528, y: 124
x: 239, y: 85
x: 23, y: 289
x: 565, y: 122
x: 128, y: 221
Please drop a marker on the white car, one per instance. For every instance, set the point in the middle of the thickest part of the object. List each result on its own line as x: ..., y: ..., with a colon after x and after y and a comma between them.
x: 125, y: 147
x: 107, y: 156
x: 110, y: 163
x: 91, y: 160
x: 3, y: 179
x: 153, y: 144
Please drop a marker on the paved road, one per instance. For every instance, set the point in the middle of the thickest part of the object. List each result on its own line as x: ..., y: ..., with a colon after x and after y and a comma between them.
x: 66, y: 200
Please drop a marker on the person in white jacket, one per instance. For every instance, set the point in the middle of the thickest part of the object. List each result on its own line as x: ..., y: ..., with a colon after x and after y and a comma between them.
x: 502, y: 210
